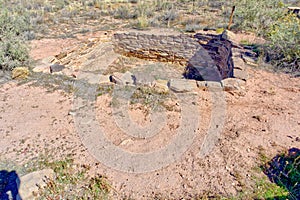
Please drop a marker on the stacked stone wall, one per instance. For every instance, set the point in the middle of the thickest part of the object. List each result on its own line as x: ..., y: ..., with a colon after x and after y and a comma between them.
x: 211, y: 61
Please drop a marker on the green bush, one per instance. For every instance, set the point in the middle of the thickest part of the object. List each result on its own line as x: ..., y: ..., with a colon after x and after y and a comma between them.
x: 13, y: 49
x: 269, y: 18
x: 284, y: 47
x: 257, y: 16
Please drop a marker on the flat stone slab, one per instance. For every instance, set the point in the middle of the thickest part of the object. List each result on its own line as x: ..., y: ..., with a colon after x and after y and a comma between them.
x: 41, y: 68
x: 126, y: 78
x: 56, y: 68
x: 99, y: 58
x: 30, y: 183
x: 240, y: 74
x: 209, y: 85
x: 93, y: 78
x: 232, y: 84
x: 161, y: 86
x: 239, y: 63
x: 182, y: 85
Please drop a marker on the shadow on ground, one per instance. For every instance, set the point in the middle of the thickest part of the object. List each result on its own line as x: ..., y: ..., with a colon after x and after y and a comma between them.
x: 284, y: 170
x: 9, y: 185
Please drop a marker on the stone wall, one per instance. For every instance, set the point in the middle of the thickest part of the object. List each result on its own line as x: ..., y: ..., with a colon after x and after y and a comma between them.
x: 211, y: 61
x: 175, y: 48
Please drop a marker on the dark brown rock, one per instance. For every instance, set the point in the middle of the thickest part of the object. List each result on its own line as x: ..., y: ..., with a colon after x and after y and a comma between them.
x: 202, y: 68
x: 56, y: 68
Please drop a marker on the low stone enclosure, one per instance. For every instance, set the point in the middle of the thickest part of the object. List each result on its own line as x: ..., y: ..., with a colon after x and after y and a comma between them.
x: 206, y: 57
x: 209, y: 60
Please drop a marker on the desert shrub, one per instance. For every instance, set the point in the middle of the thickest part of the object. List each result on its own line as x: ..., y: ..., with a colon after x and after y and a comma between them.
x: 284, y: 47
x: 144, y: 9
x: 162, y: 5
x: 141, y: 22
x: 13, y: 49
x: 169, y: 16
x: 252, y: 15
x: 269, y: 18
x: 124, y: 12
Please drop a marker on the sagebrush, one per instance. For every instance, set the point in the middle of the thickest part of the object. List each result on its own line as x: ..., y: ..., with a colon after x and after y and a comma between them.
x: 13, y: 48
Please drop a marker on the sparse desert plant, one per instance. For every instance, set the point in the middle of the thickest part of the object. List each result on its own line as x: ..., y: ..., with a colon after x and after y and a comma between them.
x: 162, y: 5
x: 191, y: 28
x: 284, y: 47
x: 123, y: 12
x: 72, y: 182
x: 270, y: 19
x: 144, y: 9
x: 13, y: 49
x: 169, y: 16
x: 257, y: 16
x: 141, y: 22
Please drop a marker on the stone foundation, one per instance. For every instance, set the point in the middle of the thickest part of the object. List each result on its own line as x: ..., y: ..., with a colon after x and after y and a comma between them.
x: 211, y: 61
x: 167, y: 48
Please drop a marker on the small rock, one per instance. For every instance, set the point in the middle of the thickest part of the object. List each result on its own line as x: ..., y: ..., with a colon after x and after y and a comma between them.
x: 20, y: 73
x: 30, y: 183
x: 41, y: 68
x: 93, y: 78
x: 127, y: 142
x: 239, y: 63
x: 229, y: 35
x: 61, y: 55
x: 49, y: 60
x: 145, y: 79
x: 250, y: 61
x: 104, y: 79
x: 161, y: 86
x: 56, y: 68
x: 209, y: 85
x: 240, y: 74
x: 68, y: 72
x: 182, y: 85
x: 236, y: 52
x: 232, y: 84
x: 123, y: 79
x: 296, y: 74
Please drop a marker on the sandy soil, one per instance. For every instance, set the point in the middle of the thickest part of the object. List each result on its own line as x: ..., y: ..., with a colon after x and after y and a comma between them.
x: 264, y: 119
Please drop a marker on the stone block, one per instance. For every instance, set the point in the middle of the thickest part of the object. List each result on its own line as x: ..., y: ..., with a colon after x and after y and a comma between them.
x: 233, y: 84
x: 240, y: 74
x: 161, y: 86
x: 209, y: 85
x: 126, y: 78
x: 239, y: 63
x: 182, y: 85
x: 30, y: 183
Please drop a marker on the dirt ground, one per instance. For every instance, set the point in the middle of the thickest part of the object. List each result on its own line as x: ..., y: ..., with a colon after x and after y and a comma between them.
x: 265, y: 119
